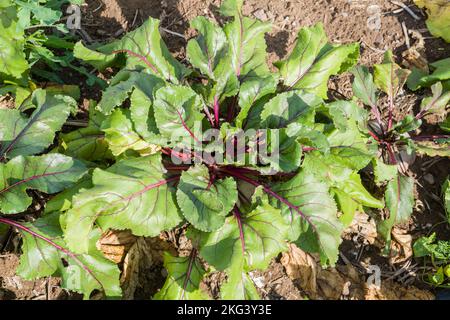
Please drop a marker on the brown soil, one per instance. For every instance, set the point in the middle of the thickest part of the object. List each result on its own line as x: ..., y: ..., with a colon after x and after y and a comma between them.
x: 345, y: 21
x: 14, y: 287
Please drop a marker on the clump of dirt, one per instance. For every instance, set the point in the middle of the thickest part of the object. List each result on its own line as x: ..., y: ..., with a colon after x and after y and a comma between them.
x: 344, y: 281
x: 14, y: 287
x: 7, y: 102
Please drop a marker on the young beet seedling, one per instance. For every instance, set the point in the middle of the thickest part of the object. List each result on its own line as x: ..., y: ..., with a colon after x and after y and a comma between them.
x: 397, y: 140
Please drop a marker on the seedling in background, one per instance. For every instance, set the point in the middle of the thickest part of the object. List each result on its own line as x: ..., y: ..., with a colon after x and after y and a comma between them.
x: 396, y: 139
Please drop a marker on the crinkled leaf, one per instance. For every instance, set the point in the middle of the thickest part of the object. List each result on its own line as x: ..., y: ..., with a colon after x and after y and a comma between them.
x: 62, y: 201
x: 239, y: 285
x: 389, y: 76
x: 146, y: 49
x: 351, y: 147
x: 123, y: 84
x: 177, y: 111
x: 203, y: 204
x: 407, y: 124
x: 363, y: 86
x: 183, y: 280
x: 344, y: 183
x: 344, y: 112
x: 256, y: 237
x: 247, y: 47
x: 313, y: 61
x: 322, y: 233
x: 383, y: 172
x: 251, y: 91
x: 277, y: 152
x: 142, y: 114
x: 132, y: 194
x: 428, y: 246
x: 86, y: 143
x: 120, y: 136
x: 307, y: 136
x: 208, y: 50
x: 437, y: 103
x: 20, y: 135
x: 400, y: 201
x: 50, y: 173
x: 81, y: 273
x: 288, y: 107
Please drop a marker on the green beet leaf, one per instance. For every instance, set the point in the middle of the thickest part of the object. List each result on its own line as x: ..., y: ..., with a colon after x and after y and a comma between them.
x: 133, y: 194
x: 22, y: 135
x: 183, y: 280
x: 313, y: 61
x: 50, y: 173
x: 44, y: 253
x: 205, y: 204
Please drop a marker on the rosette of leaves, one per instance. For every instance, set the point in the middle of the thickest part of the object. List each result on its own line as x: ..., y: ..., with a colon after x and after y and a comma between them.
x: 25, y: 167
x: 168, y: 172
x: 397, y: 139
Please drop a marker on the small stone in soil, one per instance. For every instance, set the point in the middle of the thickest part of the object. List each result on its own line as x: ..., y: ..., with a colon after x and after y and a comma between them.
x: 259, y: 282
x: 260, y: 14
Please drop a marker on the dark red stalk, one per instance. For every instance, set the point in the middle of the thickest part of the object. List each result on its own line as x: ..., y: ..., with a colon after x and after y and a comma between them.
x: 169, y: 167
x: 270, y: 192
x: 391, y: 154
x: 238, y: 217
x: 192, y: 257
x: 430, y: 105
x: 170, y: 152
x: 216, y: 110
x: 232, y: 109
x: 308, y: 149
x: 373, y: 135
x: 152, y: 186
x: 187, y: 128
x: 208, y: 115
x: 31, y: 179
x: 140, y: 57
x: 49, y: 241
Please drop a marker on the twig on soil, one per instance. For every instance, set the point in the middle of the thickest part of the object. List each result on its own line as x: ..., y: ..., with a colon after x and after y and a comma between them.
x: 370, y: 47
x: 173, y: 33
x: 118, y: 32
x: 406, y: 8
x: 98, y: 8
x: 405, y: 32
x: 135, y: 17
x: 345, y: 259
x: 86, y: 37
x: 398, y: 272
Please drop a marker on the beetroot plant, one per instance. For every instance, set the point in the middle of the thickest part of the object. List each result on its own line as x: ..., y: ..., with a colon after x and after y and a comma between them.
x: 245, y: 158
x: 396, y: 138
